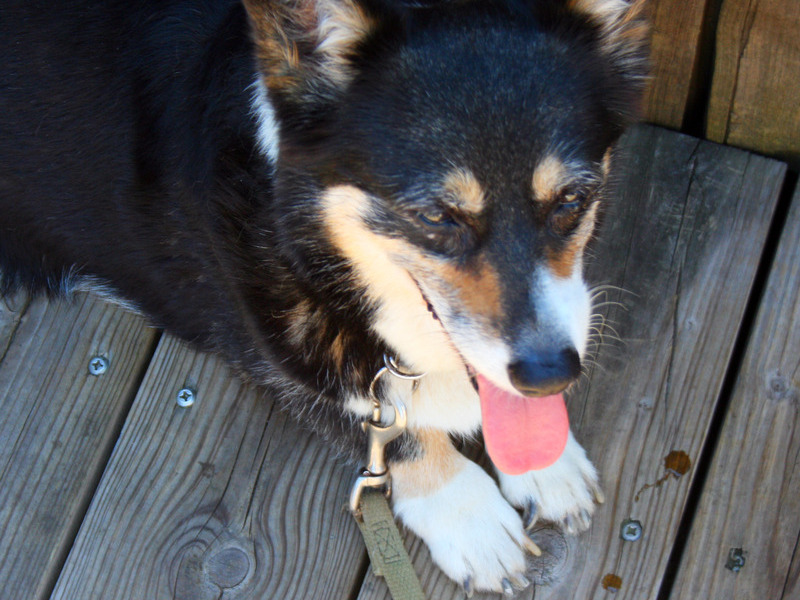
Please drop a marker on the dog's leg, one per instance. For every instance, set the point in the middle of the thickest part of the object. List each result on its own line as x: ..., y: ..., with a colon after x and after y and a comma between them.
x: 565, y: 492
x: 474, y: 535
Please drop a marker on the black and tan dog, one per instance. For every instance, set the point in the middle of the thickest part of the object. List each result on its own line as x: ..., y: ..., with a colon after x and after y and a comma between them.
x: 306, y: 185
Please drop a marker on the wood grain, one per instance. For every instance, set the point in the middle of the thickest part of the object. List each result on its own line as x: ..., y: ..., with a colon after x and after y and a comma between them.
x: 57, y: 425
x: 225, y: 499
x: 675, y: 47
x: 751, y: 499
x: 754, y: 93
x: 12, y: 310
x: 682, y: 238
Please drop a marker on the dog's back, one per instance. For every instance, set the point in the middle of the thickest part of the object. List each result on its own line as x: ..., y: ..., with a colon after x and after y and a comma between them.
x: 117, y: 121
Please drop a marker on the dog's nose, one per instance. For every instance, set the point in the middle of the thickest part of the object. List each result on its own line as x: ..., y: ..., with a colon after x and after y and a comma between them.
x: 546, y: 372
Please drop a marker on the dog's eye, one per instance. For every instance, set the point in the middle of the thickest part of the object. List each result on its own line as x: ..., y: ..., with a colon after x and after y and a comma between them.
x: 570, y: 202
x: 567, y: 211
x: 436, y: 217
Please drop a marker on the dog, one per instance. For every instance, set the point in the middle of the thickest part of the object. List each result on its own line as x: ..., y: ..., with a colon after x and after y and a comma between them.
x: 307, y: 186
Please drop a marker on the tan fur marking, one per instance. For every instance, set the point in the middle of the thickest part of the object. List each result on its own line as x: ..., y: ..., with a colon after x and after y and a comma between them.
x: 344, y: 207
x: 562, y: 264
x: 605, y: 166
x: 337, y: 350
x: 607, y: 11
x: 478, y: 289
x: 298, y: 322
x: 622, y: 22
x: 549, y: 177
x: 439, y: 463
x: 465, y: 191
x: 610, y: 13
x: 297, y: 40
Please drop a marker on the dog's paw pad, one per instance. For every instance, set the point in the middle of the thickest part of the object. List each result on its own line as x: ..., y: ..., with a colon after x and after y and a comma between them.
x: 474, y: 535
x: 564, y: 493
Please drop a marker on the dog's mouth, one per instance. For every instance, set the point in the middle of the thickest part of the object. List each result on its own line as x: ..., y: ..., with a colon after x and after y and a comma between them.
x: 520, y: 433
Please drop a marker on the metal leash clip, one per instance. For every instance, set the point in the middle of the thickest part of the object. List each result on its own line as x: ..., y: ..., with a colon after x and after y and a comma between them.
x: 376, y: 473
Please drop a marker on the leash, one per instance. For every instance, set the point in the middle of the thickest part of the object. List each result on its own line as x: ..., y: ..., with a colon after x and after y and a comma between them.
x: 368, y: 498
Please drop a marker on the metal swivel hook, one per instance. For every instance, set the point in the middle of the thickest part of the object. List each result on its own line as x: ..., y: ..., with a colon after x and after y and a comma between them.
x: 376, y: 473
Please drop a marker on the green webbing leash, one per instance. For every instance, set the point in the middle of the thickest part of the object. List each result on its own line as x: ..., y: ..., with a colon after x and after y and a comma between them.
x: 368, y: 498
x: 385, y: 547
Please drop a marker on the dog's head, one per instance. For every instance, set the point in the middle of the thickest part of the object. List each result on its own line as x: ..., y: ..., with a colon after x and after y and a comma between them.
x: 453, y: 155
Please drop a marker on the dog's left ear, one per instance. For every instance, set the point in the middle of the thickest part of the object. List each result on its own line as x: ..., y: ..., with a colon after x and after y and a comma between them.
x: 304, y: 47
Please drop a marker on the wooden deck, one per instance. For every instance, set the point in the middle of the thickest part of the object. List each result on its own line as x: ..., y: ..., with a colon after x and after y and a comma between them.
x: 110, y: 490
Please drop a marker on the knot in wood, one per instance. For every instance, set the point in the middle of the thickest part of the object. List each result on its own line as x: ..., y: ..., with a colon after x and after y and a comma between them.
x: 228, y: 567
x: 779, y: 387
x: 554, y: 563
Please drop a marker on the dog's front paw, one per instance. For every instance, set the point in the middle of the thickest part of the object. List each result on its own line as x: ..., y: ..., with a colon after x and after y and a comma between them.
x: 564, y: 493
x: 474, y: 535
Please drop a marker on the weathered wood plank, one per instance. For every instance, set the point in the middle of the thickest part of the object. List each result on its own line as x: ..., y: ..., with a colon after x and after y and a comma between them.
x: 12, y: 310
x: 751, y: 499
x: 683, y: 237
x: 685, y: 241
x: 675, y: 46
x: 754, y: 92
x: 57, y: 426
x: 222, y: 499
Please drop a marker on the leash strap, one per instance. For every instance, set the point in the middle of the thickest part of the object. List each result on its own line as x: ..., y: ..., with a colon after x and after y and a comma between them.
x: 385, y: 547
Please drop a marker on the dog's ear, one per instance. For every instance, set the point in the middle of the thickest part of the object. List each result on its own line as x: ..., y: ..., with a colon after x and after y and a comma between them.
x: 622, y: 23
x: 624, y: 37
x: 304, y: 47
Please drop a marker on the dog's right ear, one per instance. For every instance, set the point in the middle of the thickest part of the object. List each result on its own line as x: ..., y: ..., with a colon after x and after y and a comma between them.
x: 623, y: 26
x: 304, y: 47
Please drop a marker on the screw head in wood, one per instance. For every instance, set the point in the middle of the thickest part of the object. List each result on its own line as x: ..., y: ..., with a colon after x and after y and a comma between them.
x: 736, y: 560
x: 631, y: 530
x: 186, y: 397
x: 98, y: 365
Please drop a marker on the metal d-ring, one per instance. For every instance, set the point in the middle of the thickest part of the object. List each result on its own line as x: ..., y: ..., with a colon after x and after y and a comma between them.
x: 376, y: 473
x: 397, y: 370
x: 389, y: 366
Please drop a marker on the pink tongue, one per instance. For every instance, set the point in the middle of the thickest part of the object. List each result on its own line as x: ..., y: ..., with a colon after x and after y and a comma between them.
x: 522, y: 434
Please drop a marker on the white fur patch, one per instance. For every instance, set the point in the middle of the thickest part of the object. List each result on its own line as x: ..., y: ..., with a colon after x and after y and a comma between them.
x: 564, y: 305
x: 98, y: 287
x: 564, y: 492
x: 267, y: 135
x: 472, y: 532
x: 444, y: 401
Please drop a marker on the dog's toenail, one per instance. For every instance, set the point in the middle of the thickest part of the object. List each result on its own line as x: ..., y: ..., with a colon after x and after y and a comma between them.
x: 599, y: 496
x: 522, y: 582
x: 508, y: 589
x: 586, y: 518
x: 531, y: 515
x: 468, y: 589
x: 569, y: 525
x: 531, y: 546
